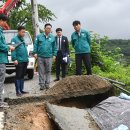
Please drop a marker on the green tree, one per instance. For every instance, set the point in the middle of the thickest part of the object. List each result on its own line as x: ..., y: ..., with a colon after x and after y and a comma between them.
x: 22, y: 15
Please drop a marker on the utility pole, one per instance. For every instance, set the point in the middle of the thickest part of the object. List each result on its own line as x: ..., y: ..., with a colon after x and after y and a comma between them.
x: 35, y: 17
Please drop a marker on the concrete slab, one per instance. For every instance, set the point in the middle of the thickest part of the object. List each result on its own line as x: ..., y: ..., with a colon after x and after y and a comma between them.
x: 71, y: 118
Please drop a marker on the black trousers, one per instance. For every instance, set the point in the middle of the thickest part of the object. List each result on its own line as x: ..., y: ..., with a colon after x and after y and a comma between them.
x: 85, y: 58
x: 21, y: 69
x: 60, y: 65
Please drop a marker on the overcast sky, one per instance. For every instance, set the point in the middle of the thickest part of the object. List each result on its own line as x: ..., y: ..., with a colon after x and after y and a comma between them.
x: 106, y: 17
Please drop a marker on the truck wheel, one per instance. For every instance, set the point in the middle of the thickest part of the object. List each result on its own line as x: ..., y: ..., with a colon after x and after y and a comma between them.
x: 30, y: 73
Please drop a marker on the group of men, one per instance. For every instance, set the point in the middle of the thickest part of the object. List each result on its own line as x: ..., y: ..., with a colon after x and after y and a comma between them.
x: 47, y: 48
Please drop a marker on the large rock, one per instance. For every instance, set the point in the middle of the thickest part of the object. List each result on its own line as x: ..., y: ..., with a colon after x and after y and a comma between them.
x: 71, y: 118
x: 76, y: 86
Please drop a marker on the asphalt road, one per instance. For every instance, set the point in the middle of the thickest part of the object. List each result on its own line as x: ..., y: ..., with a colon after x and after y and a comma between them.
x: 31, y: 85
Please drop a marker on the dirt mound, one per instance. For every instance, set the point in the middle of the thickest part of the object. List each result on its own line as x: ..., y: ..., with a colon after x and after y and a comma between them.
x: 75, y: 86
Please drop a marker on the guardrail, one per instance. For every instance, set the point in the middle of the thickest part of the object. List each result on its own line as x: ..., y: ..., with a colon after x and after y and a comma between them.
x: 117, y: 84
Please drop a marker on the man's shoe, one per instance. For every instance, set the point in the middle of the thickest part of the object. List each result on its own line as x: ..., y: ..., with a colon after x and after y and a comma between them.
x: 63, y: 78
x: 47, y: 87
x: 42, y: 88
x: 23, y: 92
x: 56, y: 80
x: 18, y: 94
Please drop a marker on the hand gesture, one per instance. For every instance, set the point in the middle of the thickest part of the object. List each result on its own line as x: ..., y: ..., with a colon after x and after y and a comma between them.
x: 15, y: 62
x: 11, y: 48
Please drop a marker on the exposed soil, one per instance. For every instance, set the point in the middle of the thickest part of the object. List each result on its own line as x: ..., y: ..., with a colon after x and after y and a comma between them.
x: 75, y: 86
x: 75, y: 91
x: 31, y: 116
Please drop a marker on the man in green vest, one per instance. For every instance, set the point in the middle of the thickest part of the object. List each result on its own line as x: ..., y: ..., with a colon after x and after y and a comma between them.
x: 4, y: 48
x: 44, y: 49
x: 20, y: 59
x: 81, y: 42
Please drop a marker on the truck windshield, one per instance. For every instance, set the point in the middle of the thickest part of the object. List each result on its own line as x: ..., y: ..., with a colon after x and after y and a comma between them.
x: 10, y: 35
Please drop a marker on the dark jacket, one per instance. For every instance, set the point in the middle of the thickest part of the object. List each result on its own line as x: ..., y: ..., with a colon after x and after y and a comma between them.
x: 64, y: 45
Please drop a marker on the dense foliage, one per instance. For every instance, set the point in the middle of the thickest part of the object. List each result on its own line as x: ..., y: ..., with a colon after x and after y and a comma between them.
x: 22, y: 15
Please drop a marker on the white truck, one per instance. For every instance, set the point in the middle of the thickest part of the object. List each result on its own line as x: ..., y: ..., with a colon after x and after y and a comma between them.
x: 10, y: 67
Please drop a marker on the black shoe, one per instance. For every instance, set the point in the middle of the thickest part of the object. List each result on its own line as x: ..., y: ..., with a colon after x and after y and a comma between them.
x: 23, y: 92
x: 56, y: 80
x: 42, y: 88
x: 19, y: 94
x: 47, y: 87
x: 63, y: 78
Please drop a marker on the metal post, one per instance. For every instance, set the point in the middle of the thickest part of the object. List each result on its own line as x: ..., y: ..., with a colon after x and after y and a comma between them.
x: 119, y: 87
x: 35, y: 17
